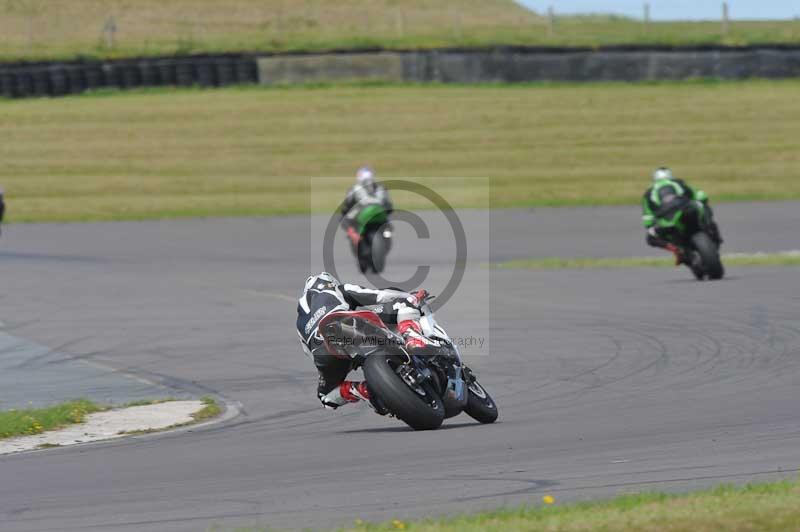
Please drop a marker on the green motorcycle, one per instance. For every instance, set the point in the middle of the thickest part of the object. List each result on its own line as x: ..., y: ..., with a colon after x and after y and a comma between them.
x: 687, y: 225
x: 374, y: 237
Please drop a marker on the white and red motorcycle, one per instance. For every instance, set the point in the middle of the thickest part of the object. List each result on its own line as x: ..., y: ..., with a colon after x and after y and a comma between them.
x: 422, y: 389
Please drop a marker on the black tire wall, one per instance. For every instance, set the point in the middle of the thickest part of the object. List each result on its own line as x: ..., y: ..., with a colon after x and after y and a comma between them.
x: 27, y: 80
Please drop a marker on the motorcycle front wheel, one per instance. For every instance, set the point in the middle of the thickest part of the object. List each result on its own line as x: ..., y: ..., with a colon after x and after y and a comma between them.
x: 378, y: 253
x: 480, y: 405
x: 363, y: 253
x: 709, y: 253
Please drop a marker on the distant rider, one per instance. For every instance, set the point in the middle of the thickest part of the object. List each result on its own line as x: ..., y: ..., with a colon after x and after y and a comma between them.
x: 364, y: 192
x: 2, y: 209
x: 666, y: 188
x: 324, y: 294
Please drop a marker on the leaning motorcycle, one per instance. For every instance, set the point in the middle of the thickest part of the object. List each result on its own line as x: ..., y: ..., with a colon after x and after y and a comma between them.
x: 421, y: 389
x: 375, y: 237
x: 688, y: 223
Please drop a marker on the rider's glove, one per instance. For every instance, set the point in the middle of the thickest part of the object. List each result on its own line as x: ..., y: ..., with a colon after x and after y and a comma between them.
x: 417, y: 298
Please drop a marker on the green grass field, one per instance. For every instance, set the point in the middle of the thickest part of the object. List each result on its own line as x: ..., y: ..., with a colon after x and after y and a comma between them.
x: 763, y: 507
x: 37, y: 420
x: 767, y: 507
x: 37, y: 29
x: 248, y: 151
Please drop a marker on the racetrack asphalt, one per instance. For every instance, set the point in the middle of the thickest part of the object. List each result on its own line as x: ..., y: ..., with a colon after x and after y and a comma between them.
x: 608, y: 381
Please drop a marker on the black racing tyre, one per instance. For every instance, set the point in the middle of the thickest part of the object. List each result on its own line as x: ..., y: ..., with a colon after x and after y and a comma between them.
x: 420, y: 409
x: 709, y: 252
x: 378, y: 252
x: 363, y: 254
x: 696, y: 265
x: 480, y: 405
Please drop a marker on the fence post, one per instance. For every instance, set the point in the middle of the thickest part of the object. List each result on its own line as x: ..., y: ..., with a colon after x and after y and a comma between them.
x: 109, y: 31
x: 30, y: 32
x: 551, y: 21
x: 726, y: 23
x: 279, y: 23
x: 646, y: 17
x: 455, y: 21
x: 400, y: 22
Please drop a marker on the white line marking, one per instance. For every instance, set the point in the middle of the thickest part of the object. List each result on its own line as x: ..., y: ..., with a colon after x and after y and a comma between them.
x: 276, y: 295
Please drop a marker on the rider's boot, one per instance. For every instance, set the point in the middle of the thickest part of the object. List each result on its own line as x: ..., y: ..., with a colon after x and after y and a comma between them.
x: 680, y: 256
x: 355, y: 238
x: 412, y: 334
x: 355, y: 391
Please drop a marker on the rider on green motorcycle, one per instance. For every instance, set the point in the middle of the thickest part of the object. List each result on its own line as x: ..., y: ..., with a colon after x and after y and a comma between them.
x: 367, y: 196
x: 667, y: 188
x: 2, y: 207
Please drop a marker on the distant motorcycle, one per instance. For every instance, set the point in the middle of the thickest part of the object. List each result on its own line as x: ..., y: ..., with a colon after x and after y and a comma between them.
x: 372, y: 237
x: 688, y: 221
x: 420, y: 389
x: 2, y: 210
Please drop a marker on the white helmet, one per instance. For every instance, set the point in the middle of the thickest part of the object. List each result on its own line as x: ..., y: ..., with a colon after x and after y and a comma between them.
x: 321, y: 281
x: 662, y: 173
x: 365, y: 176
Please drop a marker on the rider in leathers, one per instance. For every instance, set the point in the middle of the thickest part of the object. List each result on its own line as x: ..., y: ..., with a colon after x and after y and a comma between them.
x: 666, y: 186
x: 324, y: 294
x: 365, y: 191
x: 2, y: 209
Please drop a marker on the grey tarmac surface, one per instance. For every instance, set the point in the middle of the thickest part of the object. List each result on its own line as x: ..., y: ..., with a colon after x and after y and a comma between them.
x: 608, y: 381
x: 33, y: 376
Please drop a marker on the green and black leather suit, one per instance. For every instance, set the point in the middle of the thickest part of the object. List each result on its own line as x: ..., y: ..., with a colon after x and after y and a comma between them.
x: 662, y: 192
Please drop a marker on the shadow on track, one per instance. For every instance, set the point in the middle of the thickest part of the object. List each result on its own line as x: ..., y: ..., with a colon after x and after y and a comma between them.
x: 5, y: 255
x: 403, y: 428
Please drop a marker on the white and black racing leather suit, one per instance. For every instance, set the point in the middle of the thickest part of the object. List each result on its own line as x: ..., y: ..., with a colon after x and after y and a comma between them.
x: 359, y: 196
x: 322, y: 298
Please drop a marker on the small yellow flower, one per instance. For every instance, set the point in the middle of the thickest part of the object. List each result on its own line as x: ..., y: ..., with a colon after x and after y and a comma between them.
x: 399, y: 525
x: 358, y: 522
x: 548, y: 499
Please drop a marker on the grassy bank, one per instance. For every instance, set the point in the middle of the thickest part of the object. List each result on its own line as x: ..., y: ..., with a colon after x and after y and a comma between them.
x: 38, y: 420
x: 583, y: 263
x: 210, y: 410
x: 247, y: 151
x: 35, y: 421
x: 37, y: 29
x: 773, y: 507
x: 46, y: 29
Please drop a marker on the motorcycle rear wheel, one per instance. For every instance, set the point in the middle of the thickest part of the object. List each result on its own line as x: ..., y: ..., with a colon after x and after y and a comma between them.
x: 420, y: 409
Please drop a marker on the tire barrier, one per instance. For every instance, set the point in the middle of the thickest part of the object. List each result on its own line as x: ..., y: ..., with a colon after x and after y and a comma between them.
x: 26, y: 80
x: 500, y: 64
x: 521, y: 64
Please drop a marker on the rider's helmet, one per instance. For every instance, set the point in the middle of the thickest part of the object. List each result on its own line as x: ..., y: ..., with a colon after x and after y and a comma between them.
x: 365, y: 176
x: 321, y: 281
x: 663, y: 173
